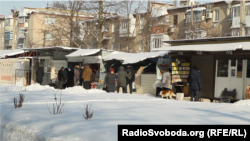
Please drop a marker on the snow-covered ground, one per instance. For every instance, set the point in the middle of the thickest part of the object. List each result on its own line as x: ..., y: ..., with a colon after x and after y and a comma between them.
x: 34, y: 122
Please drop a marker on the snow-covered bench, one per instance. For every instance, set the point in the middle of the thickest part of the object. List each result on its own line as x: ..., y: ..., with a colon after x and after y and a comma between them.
x: 227, y: 96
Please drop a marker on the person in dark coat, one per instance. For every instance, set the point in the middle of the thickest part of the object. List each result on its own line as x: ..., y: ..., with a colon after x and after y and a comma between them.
x: 121, y: 79
x: 76, y: 75
x: 195, y: 84
x: 130, y: 78
x: 66, y: 72
x: 71, y: 77
x: 81, y: 72
x: 110, y: 81
x: 61, y: 77
x: 39, y: 75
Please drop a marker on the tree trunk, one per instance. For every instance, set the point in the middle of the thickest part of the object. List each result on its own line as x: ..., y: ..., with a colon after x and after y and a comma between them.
x: 100, y: 24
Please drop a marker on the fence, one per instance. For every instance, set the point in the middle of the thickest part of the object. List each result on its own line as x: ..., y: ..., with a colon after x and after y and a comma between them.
x: 22, y: 77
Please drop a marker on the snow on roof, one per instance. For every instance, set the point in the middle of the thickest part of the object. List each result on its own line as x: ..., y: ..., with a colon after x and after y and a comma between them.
x: 55, y: 47
x: 207, y: 47
x: 237, y: 5
x: 197, y: 9
x: 159, y: 12
x: 83, y: 52
x: 131, y: 58
x: 5, y: 53
x: 57, y: 13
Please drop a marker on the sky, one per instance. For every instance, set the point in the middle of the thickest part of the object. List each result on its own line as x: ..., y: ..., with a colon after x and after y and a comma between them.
x: 6, y: 6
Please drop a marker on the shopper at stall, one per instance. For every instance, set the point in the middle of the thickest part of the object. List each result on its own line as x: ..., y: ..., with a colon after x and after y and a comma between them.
x: 166, y: 80
x: 71, y: 77
x: 87, y: 76
x: 130, y: 78
x: 195, y: 84
x: 76, y: 75
x: 81, y: 72
x: 110, y: 81
x: 121, y: 79
x: 61, y: 78
x: 65, y: 73
x: 39, y: 75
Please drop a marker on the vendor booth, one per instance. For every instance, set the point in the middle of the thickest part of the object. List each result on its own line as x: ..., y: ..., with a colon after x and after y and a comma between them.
x: 144, y: 65
x: 222, y: 65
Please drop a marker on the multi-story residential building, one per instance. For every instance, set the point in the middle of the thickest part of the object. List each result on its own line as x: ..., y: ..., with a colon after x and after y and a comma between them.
x: 213, y: 19
x: 38, y: 27
x: 131, y: 32
x: 2, y: 21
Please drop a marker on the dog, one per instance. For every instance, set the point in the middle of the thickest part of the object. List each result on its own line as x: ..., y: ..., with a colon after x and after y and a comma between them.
x: 166, y: 93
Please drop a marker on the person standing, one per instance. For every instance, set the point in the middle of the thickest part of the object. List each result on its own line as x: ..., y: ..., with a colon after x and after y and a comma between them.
x: 61, y: 78
x: 70, y: 77
x: 39, y: 75
x: 166, y: 80
x: 87, y: 76
x: 65, y: 73
x: 130, y: 78
x: 110, y: 81
x: 121, y: 79
x: 195, y: 84
x: 76, y: 75
x: 81, y: 72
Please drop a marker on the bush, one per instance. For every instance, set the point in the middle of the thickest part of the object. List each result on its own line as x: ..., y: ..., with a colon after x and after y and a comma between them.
x: 57, y: 108
x: 20, y: 103
x: 88, y: 112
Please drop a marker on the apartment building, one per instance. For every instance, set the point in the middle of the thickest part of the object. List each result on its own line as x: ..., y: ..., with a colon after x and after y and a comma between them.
x: 213, y: 19
x: 2, y: 21
x: 132, y: 32
x: 38, y: 27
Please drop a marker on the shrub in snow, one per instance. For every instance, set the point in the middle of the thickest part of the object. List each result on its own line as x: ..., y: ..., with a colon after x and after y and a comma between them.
x: 57, y: 108
x: 88, y: 112
x: 20, y: 103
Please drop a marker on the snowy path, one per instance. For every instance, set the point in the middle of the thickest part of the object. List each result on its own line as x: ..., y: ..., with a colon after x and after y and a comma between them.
x: 33, y: 122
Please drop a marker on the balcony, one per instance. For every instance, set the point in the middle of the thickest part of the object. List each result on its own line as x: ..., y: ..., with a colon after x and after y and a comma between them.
x: 9, y: 28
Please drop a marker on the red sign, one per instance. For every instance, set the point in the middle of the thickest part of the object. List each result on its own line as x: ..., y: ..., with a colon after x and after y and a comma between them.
x: 6, y: 78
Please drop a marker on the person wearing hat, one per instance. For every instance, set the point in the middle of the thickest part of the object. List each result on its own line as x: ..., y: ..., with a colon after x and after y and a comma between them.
x: 76, y: 75
x: 130, y: 78
x: 110, y: 81
x: 195, y: 84
x: 61, y: 78
x: 87, y: 76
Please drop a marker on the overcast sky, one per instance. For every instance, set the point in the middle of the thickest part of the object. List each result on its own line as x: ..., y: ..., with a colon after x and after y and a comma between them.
x: 6, y: 6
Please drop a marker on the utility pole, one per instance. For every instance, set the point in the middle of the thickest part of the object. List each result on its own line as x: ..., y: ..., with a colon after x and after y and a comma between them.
x: 149, y: 14
x: 15, y: 14
x: 242, y: 18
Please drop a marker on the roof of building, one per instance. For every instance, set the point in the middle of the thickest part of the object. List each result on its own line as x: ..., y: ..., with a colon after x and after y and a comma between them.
x: 6, y: 53
x: 207, y: 47
x: 84, y: 52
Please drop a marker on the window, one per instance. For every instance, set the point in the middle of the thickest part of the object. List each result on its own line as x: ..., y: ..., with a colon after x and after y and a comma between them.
x: 141, y: 45
x: 175, y: 19
x: 222, y: 68
x: 141, y: 23
x: 157, y: 42
x: 239, y: 68
x: 236, y: 11
x: 216, y: 15
x: 107, y: 27
x: 48, y: 36
x: 124, y: 24
x: 7, y: 22
x: 113, y: 28
x: 248, y: 10
x: 188, y: 17
x: 21, y: 20
x: 50, y: 21
x: 20, y: 41
x: 112, y: 46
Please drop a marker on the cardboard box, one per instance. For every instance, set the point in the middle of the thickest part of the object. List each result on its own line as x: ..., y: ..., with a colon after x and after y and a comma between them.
x: 186, y: 90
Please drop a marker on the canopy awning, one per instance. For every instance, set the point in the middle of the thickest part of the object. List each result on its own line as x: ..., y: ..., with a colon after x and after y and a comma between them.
x: 207, y: 47
x: 131, y: 58
x: 5, y: 53
x: 48, y: 49
x: 83, y: 52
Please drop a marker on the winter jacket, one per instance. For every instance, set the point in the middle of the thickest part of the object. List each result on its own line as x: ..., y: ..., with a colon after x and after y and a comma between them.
x: 39, y: 74
x: 87, y: 74
x: 166, y: 80
x: 71, y: 78
x: 61, y: 76
x: 76, y: 75
x: 110, y: 81
x: 121, y: 77
x: 131, y: 74
x: 81, y: 72
x: 195, y: 80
